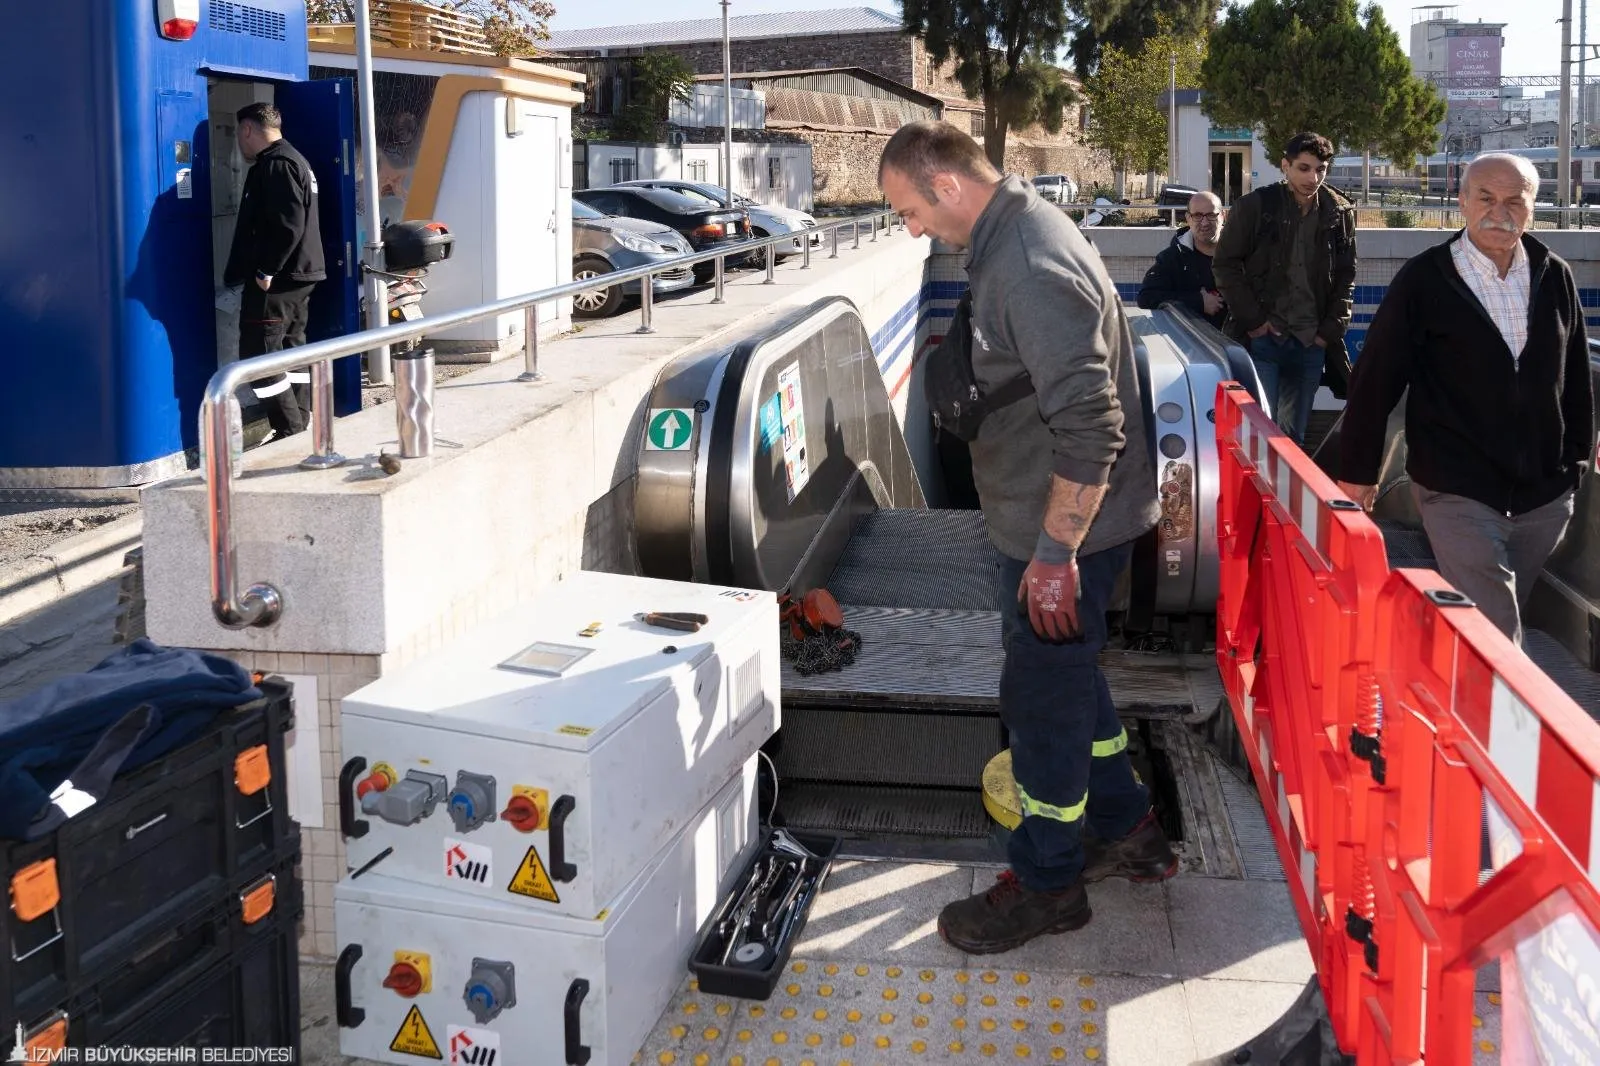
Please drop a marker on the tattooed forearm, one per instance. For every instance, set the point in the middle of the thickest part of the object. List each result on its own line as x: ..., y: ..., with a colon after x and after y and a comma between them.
x: 1071, y: 510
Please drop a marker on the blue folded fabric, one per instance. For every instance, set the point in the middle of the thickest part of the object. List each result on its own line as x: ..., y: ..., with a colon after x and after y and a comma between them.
x: 71, y: 738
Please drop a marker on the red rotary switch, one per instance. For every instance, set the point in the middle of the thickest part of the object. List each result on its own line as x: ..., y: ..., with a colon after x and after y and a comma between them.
x: 404, y: 979
x: 377, y: 781
x: 522, y: 813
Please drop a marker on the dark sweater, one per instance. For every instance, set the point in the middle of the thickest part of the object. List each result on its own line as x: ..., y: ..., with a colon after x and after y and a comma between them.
x: 1043, y: 303
x: 1513, y: 435
x: 278, y: 232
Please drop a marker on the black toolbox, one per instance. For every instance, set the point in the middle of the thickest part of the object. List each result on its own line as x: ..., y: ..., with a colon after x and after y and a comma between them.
x: 170, y: 844
x: 754, y: 974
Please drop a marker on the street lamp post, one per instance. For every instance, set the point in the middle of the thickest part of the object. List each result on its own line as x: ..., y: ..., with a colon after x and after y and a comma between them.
x: 727, y: 110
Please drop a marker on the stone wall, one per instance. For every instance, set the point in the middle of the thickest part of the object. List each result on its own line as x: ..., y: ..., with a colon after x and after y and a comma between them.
x: 845, y: 167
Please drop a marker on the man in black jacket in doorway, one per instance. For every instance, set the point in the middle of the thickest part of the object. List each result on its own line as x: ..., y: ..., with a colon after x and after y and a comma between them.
x: 1182, y: 271
x: 276, y: 256
x: 1487, y: 333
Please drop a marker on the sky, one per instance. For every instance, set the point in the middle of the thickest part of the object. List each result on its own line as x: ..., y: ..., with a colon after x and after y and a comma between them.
x: 1533, y: 32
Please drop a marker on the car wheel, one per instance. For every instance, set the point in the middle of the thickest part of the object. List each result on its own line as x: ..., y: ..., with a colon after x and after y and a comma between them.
x: 759, y: 256
x: 594, y: 303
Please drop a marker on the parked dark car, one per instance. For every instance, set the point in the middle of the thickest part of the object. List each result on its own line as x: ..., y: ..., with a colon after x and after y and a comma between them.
x: 604, y: 243
x: 707, y: 228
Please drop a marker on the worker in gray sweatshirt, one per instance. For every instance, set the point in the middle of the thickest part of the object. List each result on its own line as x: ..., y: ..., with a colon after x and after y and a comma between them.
x: 1067, y: 484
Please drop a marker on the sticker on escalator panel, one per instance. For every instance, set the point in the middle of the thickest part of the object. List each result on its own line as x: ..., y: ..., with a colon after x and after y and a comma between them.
x: 415, y: 1038
x: 473, y: 863
x: 532, y: 880
x: 771, y: 422
x: 669, y: 429
x: 473, y: 1047
x: 791, y: 416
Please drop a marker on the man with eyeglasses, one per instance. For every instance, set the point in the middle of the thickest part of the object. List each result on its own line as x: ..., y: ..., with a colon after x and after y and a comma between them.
x: 1181, y: 273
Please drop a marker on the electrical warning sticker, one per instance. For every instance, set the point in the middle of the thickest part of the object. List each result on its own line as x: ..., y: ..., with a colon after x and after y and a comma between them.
x: 474, y: 1047
x: 467, y: 862
x: 531, y: 880
x: 414, y: 1037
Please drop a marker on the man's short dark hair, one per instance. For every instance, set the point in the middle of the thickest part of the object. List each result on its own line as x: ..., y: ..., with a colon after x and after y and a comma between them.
x: 263, y: 115
x: 1315, y: 143
x: 919, y: 150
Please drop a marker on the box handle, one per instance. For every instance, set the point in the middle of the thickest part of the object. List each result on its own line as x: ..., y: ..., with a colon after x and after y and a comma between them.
x: 349, y: 825
x: 348, y: 1015
x: 577, y: 1053
x: 560, y: 868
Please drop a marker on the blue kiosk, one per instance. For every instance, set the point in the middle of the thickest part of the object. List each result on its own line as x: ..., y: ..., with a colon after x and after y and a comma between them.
x: 121, y: 180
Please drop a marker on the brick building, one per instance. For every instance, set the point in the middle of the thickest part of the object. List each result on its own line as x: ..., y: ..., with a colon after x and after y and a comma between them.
x: 768, y: 49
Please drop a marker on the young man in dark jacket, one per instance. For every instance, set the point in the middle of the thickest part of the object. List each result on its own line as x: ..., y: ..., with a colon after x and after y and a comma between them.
x: 1181, y: 273
x: 1487, y: 333
x: 276, y: 256
x: 1286, y: 265
x: 1067, y: 484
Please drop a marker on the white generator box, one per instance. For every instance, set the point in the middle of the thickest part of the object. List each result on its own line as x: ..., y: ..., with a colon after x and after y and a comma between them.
x: 545, y: 757
x: 429, y: 973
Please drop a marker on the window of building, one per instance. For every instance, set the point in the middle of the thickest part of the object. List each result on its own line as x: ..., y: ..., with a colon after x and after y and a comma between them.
x: 621, y: 170
x: 697, y: 170
x: 774, y: 173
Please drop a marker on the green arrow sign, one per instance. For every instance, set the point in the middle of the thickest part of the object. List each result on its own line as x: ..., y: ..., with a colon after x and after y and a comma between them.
x: 669, y: 429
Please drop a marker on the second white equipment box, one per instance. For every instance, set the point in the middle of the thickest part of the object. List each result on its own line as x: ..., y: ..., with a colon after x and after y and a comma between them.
x: 543, y: 758
x: 427, y: 973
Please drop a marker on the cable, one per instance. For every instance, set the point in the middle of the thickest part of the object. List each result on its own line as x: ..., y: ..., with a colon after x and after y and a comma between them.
x: 773, y: 767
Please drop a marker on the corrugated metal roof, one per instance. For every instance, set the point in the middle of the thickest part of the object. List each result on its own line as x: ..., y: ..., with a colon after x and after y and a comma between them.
x: 740, y: 28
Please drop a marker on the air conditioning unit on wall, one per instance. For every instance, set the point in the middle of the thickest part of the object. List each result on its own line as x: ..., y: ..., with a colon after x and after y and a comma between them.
x: 675, y: 138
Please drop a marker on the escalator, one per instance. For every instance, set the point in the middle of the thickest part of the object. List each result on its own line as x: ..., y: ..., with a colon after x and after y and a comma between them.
x: 797, y: 476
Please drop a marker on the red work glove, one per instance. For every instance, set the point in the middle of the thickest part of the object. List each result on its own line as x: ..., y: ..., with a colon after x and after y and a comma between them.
x: 1049, y: 591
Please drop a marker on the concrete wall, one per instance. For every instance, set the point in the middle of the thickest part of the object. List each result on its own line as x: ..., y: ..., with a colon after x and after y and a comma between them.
x: 529, y: 482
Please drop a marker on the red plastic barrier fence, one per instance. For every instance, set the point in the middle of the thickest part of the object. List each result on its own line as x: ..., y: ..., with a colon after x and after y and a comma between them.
x: 1475, y: 735
x: 1301, y: 568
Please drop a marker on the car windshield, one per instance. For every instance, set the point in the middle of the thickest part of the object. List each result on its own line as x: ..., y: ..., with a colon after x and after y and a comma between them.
x: 583, y: 210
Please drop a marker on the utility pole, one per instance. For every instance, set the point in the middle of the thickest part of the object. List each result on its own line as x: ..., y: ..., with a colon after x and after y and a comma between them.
x: 1564, y: 127
x: 1172, y: 120
x: 377, y: 292
x: 727, y: 109
x: 1583, y: 57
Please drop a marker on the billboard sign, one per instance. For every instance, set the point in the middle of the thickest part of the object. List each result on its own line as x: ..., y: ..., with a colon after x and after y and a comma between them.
x: 1472, y: 67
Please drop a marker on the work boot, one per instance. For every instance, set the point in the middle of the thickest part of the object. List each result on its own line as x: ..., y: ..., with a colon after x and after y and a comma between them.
x: 1142, y: 855
x: 1011, y: 914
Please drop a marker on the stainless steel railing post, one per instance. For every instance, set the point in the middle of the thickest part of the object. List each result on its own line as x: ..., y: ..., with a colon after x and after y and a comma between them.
x: 530, y: 344
x: 322, y: 455
x: 647, y: 304
x: 721, y: 271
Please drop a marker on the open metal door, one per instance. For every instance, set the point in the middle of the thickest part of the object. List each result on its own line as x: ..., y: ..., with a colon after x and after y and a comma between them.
x: 319, y: 119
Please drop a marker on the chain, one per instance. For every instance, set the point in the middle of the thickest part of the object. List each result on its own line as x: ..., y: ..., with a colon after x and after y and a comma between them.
x: 821, y: 652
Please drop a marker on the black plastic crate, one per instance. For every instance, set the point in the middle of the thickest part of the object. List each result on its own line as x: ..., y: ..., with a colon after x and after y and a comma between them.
x: 169, y: 845
x: 757, y: 978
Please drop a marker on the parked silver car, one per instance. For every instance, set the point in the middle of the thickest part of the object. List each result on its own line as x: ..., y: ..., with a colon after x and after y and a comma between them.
x: 765, y: 219
x: 604, y: 243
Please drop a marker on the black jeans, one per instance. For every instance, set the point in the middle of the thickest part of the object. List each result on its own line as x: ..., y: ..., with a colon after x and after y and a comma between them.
x: 270, y: 322
x: 1068, y: 748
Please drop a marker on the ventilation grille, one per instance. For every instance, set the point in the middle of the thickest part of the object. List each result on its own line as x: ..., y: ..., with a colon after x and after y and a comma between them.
x: 747, y: 695
x: 248, y: 21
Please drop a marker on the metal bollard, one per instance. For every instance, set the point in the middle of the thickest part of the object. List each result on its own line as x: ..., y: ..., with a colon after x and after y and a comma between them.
x: 322, y: 455
x: 647, y: 303
x: 835, y: 234
x: 805, y: 251
x: 874, y: 229
x: 530, y: 345
x: 772, y: 262
x: 718, y: 297
x: 855, y: 231
x: 413, y: 402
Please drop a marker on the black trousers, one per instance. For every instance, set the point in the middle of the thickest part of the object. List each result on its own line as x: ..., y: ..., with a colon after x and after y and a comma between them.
x: 270, y: 322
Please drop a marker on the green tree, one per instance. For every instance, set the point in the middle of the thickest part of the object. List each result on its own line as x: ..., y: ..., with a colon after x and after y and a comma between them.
x: 1126, y: 119
x: 511, y: 27
x: 1003, y: 51
x: 1128, y: 23
x: 1292, y: 65
x: 658, y: 79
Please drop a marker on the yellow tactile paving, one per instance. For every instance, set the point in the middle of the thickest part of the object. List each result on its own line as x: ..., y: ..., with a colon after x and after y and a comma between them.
x: 824, y: 1013
x: 1486, y: 1029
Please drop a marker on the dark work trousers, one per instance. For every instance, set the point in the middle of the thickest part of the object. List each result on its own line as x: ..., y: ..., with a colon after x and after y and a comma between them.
x: 1068, y: 748
x: 270, y: 322
x: 1491, y: 559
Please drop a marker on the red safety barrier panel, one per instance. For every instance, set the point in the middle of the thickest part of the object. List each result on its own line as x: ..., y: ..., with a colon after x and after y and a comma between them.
x: 1301, y: 569
x: 1474, y: 736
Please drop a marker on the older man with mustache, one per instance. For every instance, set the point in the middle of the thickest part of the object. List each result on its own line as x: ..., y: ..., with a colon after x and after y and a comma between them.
x: 1487, y: 334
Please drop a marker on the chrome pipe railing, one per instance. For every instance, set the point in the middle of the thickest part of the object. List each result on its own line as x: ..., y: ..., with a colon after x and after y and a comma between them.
x: 261, y: 604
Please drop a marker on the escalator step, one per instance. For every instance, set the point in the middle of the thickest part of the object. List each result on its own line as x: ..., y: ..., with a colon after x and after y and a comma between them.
x: 868, y: 811
x: 1549, y: 655
x: 939, y: 559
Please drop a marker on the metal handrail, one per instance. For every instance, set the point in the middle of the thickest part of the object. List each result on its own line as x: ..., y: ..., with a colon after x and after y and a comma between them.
x: 261, y: 604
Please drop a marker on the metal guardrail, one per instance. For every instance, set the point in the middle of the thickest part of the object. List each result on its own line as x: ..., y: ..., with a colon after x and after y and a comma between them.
x: 261, y: 604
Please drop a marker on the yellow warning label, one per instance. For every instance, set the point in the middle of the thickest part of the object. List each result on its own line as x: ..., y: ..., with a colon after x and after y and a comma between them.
x: 575, y: 730
x: 531, y: 880
x: 414, y: 1037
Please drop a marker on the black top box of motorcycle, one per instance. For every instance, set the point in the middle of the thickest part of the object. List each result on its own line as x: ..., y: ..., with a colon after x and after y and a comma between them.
x: 413, y: 245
